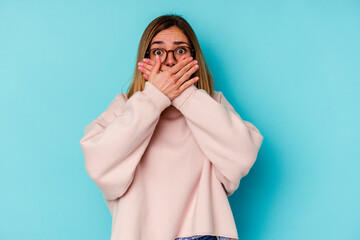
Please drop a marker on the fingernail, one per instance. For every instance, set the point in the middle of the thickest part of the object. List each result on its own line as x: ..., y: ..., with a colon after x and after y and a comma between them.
x: 190, y: 58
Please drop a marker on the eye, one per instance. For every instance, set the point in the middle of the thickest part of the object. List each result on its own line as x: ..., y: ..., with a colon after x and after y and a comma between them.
x: 158, y: 52
x: 181, y: 50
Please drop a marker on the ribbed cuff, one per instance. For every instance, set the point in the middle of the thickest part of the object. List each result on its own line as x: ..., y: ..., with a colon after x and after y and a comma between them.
x: 181, y: 99
x: 159, y: 98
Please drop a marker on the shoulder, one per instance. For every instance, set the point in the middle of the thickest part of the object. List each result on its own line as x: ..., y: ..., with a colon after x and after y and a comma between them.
x: 117, y: 101
x: 220, y: 98
x: 119, y: 98
x: 217, y: 95
x: 114, y: 108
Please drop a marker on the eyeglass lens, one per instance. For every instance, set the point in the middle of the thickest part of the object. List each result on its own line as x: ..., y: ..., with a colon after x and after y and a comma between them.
x: 178, y: 53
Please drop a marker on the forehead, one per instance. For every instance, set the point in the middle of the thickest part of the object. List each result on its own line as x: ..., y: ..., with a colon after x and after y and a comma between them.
x: 170, y: 35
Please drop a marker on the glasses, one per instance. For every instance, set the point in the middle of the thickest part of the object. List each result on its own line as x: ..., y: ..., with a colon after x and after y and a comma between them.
x: 177, y: 53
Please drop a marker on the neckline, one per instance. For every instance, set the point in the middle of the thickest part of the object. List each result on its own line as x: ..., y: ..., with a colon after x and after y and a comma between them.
x: 171, y: 112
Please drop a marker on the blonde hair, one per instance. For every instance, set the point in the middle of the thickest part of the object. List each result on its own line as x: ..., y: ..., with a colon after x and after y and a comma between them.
x: 163, y: 22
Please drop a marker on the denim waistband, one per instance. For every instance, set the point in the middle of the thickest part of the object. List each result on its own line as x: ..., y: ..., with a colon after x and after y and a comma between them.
x: 203, y: 237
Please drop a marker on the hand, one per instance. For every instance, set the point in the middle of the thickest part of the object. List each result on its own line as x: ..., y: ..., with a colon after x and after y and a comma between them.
x: 147, y: 65
x: 170, y: 81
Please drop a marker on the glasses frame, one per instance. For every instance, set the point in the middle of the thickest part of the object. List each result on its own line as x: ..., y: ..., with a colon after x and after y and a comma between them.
x: 167, y: 52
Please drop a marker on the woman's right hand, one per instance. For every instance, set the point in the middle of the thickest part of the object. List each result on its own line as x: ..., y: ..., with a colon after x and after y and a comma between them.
x: 170, y: 81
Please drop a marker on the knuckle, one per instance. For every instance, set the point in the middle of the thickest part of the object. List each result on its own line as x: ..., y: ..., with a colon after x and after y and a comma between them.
x: 177, y: 91
x: 187, y: 74
x: 189, y: 69
x: 190, y: 64
x: 172, y: 79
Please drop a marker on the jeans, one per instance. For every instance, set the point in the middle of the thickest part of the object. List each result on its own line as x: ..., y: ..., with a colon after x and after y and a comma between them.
x: 207, y: 237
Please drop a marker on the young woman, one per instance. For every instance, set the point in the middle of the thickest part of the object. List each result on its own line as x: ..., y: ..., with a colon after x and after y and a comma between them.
x: 167, y: 154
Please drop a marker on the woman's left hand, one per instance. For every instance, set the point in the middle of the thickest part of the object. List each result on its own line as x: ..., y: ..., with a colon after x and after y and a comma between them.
x: 146, y: 65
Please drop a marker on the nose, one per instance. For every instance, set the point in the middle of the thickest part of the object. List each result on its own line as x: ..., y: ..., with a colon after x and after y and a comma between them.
x: 170, y: 59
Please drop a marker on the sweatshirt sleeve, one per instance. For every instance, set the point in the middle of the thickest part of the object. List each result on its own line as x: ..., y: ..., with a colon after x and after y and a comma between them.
x: 230, y: 143
x: 114, y: 143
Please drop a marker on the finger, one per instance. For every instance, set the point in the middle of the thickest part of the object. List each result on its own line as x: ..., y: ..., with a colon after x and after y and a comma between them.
x: 188, y: 83
x: 145, y: 69
x: 174, y: 69
x: 187, y: 75
x: 149, y: 61
x: 186, y: 68
x: 150, y: 67
x: 149, y: 64
x: 146, y: 76
x: 182, y: 58
x: 156, y: 67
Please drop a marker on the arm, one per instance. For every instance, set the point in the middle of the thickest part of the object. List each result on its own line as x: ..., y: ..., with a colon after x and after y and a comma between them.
x: 230, y: 143
x: 114, y: 143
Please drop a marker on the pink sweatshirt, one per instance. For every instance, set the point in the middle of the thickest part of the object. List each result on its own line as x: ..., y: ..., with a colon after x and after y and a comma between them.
x: 166, y: 168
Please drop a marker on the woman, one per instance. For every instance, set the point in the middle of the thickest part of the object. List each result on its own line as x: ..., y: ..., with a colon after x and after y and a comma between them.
x: 167, y: 154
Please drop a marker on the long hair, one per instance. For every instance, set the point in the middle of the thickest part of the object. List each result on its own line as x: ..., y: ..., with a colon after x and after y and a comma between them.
x: 163, y: 22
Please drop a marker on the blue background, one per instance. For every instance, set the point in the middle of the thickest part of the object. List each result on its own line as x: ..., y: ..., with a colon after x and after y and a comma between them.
x: 289, y: 67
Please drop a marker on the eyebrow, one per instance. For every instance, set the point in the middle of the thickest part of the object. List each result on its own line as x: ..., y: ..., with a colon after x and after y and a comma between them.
x: 176, y: 42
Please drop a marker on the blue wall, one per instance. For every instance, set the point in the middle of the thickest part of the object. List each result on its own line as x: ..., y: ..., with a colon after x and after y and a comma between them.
x: 289, y: 67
